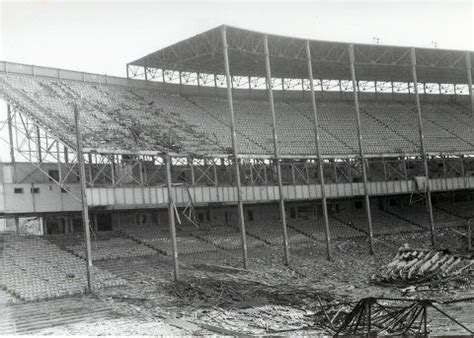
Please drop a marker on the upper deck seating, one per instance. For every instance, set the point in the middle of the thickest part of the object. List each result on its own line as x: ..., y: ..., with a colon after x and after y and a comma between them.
x: 126, y: 118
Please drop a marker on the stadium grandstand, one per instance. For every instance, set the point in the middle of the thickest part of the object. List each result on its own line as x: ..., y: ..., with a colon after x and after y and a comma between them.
x: 229, y: 140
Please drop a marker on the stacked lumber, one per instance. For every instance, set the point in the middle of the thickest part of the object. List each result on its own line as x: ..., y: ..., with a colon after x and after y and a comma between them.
x: 418, y: 266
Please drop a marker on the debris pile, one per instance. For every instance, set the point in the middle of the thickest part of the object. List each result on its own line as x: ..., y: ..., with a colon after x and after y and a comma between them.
x: 430, y: 268
x: 242, y: 304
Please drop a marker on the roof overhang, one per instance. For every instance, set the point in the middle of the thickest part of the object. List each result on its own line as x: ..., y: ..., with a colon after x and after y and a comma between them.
x: 203, y: 53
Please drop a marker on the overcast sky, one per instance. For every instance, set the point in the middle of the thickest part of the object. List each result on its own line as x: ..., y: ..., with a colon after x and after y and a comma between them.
x: 101, y: 37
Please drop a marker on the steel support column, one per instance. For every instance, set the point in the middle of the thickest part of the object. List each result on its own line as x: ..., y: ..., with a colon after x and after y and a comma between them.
x: 85, y: 207
x: 276, y: 153
x: 171, y: 218
x: 234, y: 145
x: 469, y: 81
x: 422, y: 143
x: 361, y: 147
x: 318, y: 150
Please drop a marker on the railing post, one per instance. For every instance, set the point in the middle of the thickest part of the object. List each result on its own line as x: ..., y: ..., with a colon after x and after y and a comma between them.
x: 268, y: 72
x: 234, y: 146
x: 318, y: 150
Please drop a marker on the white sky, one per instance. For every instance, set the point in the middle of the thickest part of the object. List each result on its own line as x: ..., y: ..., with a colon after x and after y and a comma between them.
x: 101, y: 37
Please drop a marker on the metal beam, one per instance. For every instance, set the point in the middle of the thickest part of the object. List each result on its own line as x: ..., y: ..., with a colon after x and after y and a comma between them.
x: 234, y: 145
x: 85, y: 208
x: 361, y: 147
x: 422, y: 142
x: 318, y: 150
x: 268, y: 72
x: 171, y: 218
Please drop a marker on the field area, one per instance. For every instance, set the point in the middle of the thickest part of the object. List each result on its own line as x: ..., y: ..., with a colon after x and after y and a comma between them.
x: 214, y: 295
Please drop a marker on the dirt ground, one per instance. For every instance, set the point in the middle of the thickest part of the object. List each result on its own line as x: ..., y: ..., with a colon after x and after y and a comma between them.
x: 215, y: 296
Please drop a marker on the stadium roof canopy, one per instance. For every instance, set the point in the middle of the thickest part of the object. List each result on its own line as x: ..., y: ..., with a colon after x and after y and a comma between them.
x: 203, y: 53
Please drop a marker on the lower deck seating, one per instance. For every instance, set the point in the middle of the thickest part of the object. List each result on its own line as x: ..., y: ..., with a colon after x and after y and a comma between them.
x: 33, y: 269
x: 418, y: 214
x: 229, y: 238
x: 271, y: 232
x: 460, y: 209
x: 314, y: 227
x: 383, y: 223
x: 158, y: 238
x: 105, y: 245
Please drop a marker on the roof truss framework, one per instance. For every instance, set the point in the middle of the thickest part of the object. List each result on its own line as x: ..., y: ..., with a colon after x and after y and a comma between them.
x: 203, y: 54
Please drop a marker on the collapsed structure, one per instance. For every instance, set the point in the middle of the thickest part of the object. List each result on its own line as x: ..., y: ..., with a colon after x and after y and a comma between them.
x: 229, y: 128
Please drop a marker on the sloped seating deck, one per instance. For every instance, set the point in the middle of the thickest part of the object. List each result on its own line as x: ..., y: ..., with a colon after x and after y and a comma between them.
x: 33, y: 269
x: 125, y: 118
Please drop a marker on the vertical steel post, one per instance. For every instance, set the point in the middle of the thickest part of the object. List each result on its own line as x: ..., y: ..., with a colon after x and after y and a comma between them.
x: 171, y: 218
x: 38, y: 142
x: 89, y: 159
x: 127, y: 70
x: 234, y: 145
x: 422, y: 143
x: 276, y: 153
x: 361, y: 147
x: 469, y: 80
x: 215, y: 84
x: 191, y: 168
x: 10, y: 139
x: 60, y: 174
x: 85, y: 207
x: 318, y: 150
x: 17, y: 225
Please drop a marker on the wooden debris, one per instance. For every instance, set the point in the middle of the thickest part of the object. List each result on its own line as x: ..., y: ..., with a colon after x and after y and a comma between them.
x: 432, y: 268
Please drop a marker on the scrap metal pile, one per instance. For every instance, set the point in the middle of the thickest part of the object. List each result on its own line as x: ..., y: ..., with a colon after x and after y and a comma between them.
x: 428, y: 268
x: 392, y: 316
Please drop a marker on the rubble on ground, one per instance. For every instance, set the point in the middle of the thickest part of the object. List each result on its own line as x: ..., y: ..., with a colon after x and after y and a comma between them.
x: 244, y: 304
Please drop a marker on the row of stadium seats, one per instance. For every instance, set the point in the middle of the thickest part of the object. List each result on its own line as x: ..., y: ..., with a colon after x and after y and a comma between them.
x: 127, y: 118
x: 418, y: 214
x: 34, y: 269
x: 105, y: 245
